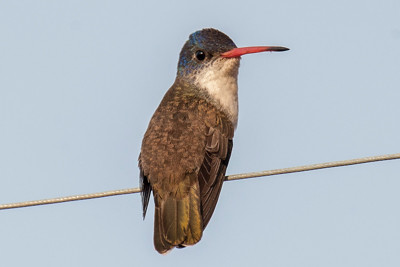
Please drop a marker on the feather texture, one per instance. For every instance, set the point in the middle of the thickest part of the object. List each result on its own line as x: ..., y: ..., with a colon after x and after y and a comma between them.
x: 184, y: 155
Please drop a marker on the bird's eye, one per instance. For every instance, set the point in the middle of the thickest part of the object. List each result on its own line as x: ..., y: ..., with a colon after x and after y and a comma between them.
x: 200, y: 55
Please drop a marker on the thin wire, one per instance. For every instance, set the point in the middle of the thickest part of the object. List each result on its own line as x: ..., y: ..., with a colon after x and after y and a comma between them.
x: 312, y: 167
x: 69, y: 198
x: 227, y: 178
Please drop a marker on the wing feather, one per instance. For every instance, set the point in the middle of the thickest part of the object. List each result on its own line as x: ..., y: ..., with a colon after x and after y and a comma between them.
x: 212, y: 171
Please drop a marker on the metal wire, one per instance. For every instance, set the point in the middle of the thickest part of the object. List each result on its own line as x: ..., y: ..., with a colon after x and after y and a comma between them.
x: 227, y: 178
x: 313, y: 167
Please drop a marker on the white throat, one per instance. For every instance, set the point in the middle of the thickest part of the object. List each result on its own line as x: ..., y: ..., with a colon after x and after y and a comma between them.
x: 220, y: 82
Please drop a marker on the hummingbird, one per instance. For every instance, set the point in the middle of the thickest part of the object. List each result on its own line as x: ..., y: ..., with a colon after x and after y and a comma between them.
x: 186, y: 148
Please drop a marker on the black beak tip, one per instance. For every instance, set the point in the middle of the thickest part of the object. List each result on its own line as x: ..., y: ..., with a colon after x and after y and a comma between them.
x: 282, y: 48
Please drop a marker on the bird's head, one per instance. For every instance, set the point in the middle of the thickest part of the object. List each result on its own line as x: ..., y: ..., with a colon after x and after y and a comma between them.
x: 210, y: 51
x: 202, y: 53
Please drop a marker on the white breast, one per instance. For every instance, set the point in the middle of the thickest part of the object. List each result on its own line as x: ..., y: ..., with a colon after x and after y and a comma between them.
x: 220, y: 81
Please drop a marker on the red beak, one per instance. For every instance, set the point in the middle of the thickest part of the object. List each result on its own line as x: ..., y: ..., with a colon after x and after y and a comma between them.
x: 237, y: 52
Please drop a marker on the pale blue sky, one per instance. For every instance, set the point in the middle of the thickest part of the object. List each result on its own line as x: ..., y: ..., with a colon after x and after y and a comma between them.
x: 79, y: 81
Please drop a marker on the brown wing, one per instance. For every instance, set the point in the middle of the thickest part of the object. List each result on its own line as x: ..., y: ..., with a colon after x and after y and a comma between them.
x: 212, y: 172
x: 145, y: 189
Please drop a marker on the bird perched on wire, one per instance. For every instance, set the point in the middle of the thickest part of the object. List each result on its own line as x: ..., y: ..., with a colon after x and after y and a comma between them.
x: 188, y: 143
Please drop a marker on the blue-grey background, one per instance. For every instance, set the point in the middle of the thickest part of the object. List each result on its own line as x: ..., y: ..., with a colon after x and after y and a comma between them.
x: 79, y: 81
